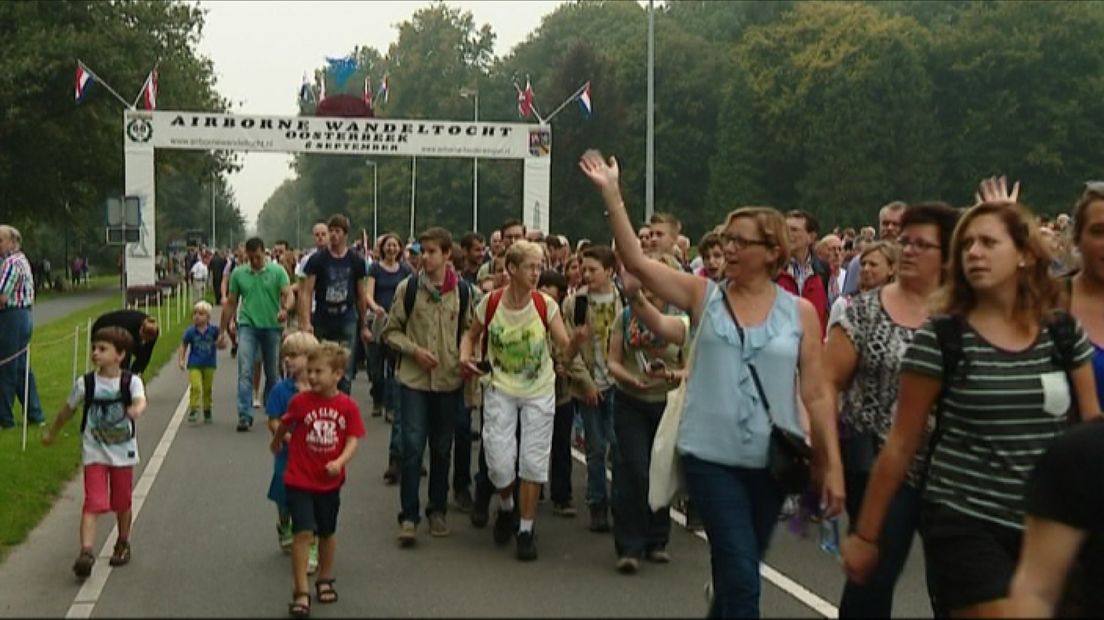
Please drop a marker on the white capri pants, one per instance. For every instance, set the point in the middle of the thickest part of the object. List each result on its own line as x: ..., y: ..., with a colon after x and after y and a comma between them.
x: 500, y: 419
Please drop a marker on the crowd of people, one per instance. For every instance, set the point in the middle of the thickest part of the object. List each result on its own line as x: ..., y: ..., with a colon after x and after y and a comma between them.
x: 925, y: 369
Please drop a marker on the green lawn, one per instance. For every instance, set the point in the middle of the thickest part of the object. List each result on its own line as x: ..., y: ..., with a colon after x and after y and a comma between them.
x: 32, y: 480
x: 94, y: 283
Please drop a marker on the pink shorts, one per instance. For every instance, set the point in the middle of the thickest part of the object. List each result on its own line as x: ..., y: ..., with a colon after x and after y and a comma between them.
x: 97, y: 480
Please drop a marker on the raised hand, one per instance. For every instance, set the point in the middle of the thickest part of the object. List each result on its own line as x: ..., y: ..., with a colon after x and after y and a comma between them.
x: 995, y: 189
x: 606, y: 175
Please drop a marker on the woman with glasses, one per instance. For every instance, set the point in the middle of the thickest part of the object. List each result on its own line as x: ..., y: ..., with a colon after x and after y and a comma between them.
x: 726, y: 423
x: 863, y: 361
x: 1003, y: 372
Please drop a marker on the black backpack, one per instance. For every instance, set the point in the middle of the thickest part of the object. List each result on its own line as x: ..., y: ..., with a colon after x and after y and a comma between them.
x: 463, y: 288
x: 948, y: 333
x: 90, y: 396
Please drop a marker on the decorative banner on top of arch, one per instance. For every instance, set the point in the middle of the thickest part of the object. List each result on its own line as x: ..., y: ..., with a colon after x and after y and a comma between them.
x: 338, y: 136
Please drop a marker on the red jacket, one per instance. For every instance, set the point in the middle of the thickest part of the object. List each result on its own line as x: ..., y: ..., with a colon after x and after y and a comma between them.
x: 813, y: 291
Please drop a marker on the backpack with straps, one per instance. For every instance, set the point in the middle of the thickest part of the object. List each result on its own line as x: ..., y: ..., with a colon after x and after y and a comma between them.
x: 948, y: 333
x: 463, y: 288
x: 492, y: 307
x: 90, y: 397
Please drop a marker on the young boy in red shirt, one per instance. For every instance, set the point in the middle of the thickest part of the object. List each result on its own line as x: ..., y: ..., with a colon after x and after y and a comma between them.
x: 325, y: 425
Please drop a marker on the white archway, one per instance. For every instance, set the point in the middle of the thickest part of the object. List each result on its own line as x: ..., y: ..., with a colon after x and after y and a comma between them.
x: 145, y: 131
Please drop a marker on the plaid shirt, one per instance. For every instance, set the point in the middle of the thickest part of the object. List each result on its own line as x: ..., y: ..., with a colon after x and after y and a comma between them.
x: 16, y: 281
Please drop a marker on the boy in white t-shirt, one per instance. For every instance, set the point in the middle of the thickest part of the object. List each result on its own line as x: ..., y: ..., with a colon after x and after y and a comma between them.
x: 113, y: 400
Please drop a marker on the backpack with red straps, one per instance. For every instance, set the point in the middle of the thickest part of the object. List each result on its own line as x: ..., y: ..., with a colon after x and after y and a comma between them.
x: 492, y: 307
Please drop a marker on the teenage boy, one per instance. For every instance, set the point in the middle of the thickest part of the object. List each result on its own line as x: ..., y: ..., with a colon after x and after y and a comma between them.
x: 325, y: 426
x: 113, y: 400
x: 518, y: 320
x: 594, y: 310
x: 431, y: 311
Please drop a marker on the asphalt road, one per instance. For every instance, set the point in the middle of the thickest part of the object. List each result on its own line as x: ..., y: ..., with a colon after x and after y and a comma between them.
x: 204, y: 544
x: 61, y: 305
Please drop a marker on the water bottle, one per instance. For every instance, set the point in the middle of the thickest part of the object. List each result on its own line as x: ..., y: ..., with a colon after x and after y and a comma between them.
x: 829, y: 536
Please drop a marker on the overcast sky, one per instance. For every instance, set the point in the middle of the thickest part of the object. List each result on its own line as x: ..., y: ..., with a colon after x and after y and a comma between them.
x: 261, y: 49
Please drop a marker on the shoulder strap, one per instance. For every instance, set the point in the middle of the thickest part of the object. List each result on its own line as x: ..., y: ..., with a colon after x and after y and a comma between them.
x: 751, y: 367
x: 410, y: 295
x: 488, y: 315
x: 948, y: 334
x: 465, y: 292
x: 1063, y: 329
x: 541, y: 308
x: 89, y: 394
x: 626, y: 317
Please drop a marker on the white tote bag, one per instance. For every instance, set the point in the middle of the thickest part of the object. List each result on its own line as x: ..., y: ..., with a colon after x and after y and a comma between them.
x: 665, y: 472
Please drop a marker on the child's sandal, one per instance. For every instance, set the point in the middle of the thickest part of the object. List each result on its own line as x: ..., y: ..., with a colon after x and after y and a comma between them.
x: 324, y: 591
x: 297, y: 609
x: 121, y: 555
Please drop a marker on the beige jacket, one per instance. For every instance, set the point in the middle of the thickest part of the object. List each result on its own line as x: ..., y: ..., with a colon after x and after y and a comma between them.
x: 432, y: 325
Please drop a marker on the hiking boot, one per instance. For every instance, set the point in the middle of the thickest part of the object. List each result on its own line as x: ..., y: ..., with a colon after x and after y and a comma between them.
x: 564, y: 509
x: 206, y: 416
x: 193, y: 416
x: 243, y: 424
x: 505, y: 527
x: 438, y: 526
x: 628, y: 566
x: 658, y: 555
x: 480, y: 513
x: 463, y: 500
x: 391, y: 476
x: 121, y: 555
x: 285, y: 535
x: 82, y: 568
x: 408, y: 533
x: 526, y: 546
x: 312, y: 558
x: 599, y: 518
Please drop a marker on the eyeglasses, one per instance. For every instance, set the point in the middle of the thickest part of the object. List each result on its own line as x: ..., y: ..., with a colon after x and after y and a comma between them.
x: 742, y: 243
x: 919, y: 245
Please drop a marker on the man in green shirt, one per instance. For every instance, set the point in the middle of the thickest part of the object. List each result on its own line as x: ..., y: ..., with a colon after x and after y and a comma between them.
x: 266, y: 298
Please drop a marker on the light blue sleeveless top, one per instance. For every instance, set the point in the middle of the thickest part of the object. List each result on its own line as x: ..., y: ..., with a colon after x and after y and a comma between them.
x: 724, y: 421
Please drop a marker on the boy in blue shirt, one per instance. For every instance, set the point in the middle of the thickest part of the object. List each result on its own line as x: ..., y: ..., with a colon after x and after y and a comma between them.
x: 200, y: 346
x: 294, y: 351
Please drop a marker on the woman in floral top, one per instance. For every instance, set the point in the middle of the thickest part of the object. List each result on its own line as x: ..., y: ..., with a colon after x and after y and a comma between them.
x: 864, y: 353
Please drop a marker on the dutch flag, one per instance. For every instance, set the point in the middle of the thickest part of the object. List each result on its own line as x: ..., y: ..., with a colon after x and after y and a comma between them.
x: 584, y: 101
x: 83, y: 82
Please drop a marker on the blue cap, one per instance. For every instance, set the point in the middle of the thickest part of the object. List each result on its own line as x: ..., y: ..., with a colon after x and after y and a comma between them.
x: 415, y: 248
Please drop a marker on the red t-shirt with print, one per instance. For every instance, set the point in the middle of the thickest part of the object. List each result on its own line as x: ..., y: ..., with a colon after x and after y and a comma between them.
x: 320, y: 426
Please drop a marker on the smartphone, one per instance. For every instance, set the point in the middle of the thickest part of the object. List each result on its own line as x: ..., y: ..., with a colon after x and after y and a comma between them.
x: 657, y: 366
x: 484, y: 366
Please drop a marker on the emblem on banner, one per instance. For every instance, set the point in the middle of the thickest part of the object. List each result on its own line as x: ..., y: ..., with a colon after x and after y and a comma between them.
x: 540, y: 142
x: 139, y: 130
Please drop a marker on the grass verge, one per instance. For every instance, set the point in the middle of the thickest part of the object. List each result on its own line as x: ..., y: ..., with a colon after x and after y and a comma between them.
x: 32, y: 480
x: 94, y: 282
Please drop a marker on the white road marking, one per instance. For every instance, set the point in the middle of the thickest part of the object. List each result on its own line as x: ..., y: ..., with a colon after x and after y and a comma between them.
x: 89, y: 594
x: 784, y: 583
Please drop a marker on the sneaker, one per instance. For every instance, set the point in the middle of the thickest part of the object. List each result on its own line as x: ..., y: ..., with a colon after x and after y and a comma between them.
x: 312, y: 559
x: 659, y: 555
x: 628, y: 566
x: 480, y: 513
x: 377, y: 411
x: 234, y: 351
x: 207, y: 416
x: 526, y: 546
x: 256, y: 401
x: 408, y: 533
x: 505, y: 527
x: 599, y: 518
x: 564, y: 509
x: 789, y: 507
x: 243, y: 425
x: 121, y: 555
x: 82, y: 568
x: 391, y: 476
x: 438, y: 526
x: 285, y: 536
x: 193, y: 415
x: 463, y: 500
x: 389, y: 416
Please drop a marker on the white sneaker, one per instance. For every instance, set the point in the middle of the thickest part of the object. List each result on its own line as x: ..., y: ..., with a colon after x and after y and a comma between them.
x: 256, y: 402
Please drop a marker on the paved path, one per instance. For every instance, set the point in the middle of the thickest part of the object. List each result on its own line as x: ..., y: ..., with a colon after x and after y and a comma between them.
x: 57, y: 307
x: 205, y: 545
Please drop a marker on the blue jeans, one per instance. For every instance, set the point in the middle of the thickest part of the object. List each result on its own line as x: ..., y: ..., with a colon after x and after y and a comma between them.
x: 461, y: 464
x: 344, y: 334
x: 251, y: 343
x: 559, y: 474
x: 875, y: 599
x: 598, y: 422
x: 428, y: 416
x: 381, y: 372
x: 636, y: 529
x: 16, y: 326
x: 739, y: 507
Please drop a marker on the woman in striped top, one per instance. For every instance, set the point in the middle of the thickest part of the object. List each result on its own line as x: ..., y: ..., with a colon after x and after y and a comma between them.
x: 1006, y: 399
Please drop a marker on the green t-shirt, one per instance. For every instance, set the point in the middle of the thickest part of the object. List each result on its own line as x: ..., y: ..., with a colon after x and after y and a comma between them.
x: 673, y: 355
x: 259, y: 294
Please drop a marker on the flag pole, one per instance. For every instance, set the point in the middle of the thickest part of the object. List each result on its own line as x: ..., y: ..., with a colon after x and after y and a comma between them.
x: 105, y: 84
x: 567, y: 101
x: 148, y: 78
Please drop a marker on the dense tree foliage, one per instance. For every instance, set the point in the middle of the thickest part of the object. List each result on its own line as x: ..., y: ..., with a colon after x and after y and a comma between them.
x: 59, y: 161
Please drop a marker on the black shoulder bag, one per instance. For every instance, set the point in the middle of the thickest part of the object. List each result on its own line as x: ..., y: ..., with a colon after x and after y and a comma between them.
x: 788, y: 456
